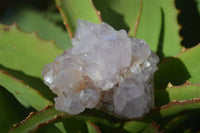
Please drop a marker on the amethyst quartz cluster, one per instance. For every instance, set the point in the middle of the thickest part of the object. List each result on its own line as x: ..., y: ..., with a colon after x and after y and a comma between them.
x: 105, y: 70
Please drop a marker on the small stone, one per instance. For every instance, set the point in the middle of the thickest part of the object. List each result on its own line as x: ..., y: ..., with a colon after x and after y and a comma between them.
x: 105, y: 70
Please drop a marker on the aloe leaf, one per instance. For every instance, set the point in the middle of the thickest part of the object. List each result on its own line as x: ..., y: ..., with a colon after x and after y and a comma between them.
x: 26, y: 95
x: 77, y: 123
x: 105, y: 122
x: 71, y: 123
x: 60, y: 126
x: 11, y: 110
x: 176, y: 125
x: 71, y: 10
x: 177, y: 70
x: 148, y: 24
x: 169, y: 39
x: 25, y: 51
x: 31, y: 20
x: 131, y: 9
x: 119, y: 13
x: 92, y: 128
x: 162, y: 114
x: 23, y: 93
x: 153, y: 21
x: 171, y: 70
x: 183, y: 92
x: 33, y: 82
x: 190, y: 58
x: 158, y: 26
x: 36, y: 120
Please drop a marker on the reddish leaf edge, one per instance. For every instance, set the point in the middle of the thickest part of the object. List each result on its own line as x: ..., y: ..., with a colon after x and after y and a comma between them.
x: 154, y: 112
x: 137, y: 22
x: 97, y: 11
x: 95, y: 126
x: 62, y: 115
x: 57, y: 117
x: 186, y: 49
x: 187, y: 83
x: 173, y: 121
x: 167, y: 106
x: 176, y: 102
x: 156, y: 127
x: 179, y: 120
x: 22, y: 82
x: 67, y: 23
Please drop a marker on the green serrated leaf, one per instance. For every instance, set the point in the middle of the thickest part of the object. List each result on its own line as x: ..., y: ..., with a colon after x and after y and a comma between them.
x: 153, y: 21
x: 180, y: 93
x: 119, y: 13
x: 170, y: 70
x: 11, y: 111
x: 176, y: 124
x: 92, y: 128
x: 71, y: 123
x: 60, y: 126
x: 131, y: 9
x: 38, y: 119
x: 72, y: 10
x: 191, y: 60
x: 177, y: 70
x: 104, y: 121
x: 162, y: 115
x: 149, y: 23
x: 22, y: 92
x: 32, y: 20
x: 159, y: 28
x: 25, y: 51
x: 171, y: 41
x: 33, y: 82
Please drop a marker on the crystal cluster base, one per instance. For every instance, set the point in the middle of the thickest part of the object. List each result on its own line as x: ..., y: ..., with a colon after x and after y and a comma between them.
x: 105, y: 69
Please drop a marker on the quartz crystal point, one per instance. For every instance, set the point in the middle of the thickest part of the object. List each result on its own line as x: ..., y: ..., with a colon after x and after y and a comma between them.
x: 106, y: 70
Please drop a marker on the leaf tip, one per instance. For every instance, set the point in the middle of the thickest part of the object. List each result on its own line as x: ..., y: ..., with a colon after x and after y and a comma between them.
x: 97, y: 11
x: 96, y: 128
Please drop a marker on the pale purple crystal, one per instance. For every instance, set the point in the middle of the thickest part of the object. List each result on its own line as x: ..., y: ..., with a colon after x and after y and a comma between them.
x: 105, y: 69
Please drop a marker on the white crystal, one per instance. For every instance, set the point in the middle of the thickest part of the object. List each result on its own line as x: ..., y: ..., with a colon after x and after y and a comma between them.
x: 89, y: 97
x: 105, y: 69
x: 130, y: 88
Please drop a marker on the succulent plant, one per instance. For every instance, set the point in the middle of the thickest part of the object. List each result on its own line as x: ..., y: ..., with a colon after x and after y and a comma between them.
x: 30, y: 39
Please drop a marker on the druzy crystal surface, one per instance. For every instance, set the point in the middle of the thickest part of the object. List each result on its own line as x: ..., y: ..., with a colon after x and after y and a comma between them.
x: 105, y: 70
